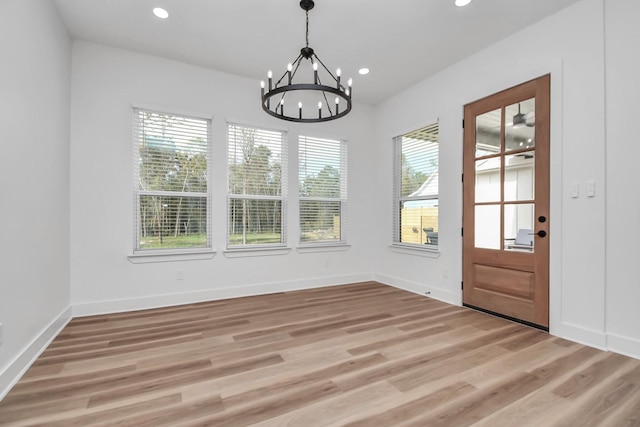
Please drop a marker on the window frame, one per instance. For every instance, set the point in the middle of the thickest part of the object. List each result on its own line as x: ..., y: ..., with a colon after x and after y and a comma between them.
x: 164, y: 254
x: 399, y: 200
x: 275, y: 247
x: 342, y: 199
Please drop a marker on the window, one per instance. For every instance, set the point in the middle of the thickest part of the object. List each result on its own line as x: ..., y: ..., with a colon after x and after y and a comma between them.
x: 257, y: 187
x: 322, y: 190
x: 415, y: 201
x: 171, y: 171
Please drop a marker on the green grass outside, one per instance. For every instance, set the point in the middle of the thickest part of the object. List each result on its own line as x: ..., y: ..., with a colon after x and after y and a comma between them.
x: 170, y: 242
x: 325, y: 235
x: 255, y: 238
x: 200, y: 240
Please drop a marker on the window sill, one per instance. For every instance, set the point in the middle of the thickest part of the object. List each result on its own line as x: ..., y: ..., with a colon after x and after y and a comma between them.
x: 153, y: 256
x: 428, y: 252
x: 253, y: 252
x: 319, y: 247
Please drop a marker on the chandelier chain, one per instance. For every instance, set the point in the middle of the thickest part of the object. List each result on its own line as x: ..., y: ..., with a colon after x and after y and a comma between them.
x: 307, y: 35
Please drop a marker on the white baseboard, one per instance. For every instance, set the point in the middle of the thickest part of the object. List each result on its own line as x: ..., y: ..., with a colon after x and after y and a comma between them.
x: 156, y: 301
x: 624, y: 345
x: 17, y: 368
x: 417, y: 288
x: 589, y: 337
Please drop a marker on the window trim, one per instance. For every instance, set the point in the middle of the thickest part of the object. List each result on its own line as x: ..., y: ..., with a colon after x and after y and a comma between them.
x: 323, y: 247
x: 428, y: 250
x: 168, y: 254
x: 279, y: 248
x: 327, y: 245
x: 257, y: 251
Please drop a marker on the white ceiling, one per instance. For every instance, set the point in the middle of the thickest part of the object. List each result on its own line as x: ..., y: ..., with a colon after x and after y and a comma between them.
x: 401, y: 41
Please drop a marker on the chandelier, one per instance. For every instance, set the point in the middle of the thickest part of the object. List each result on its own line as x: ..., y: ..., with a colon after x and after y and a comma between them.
x: 316, y: 102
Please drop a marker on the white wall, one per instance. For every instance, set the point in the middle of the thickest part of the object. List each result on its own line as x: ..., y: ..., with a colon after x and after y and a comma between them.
x: 570, y: 46
x: 105, y: 83
x: 34, y: 183
x: 623, y: 197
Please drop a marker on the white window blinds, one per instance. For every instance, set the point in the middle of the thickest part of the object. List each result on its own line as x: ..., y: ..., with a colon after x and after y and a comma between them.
x: 322, y: 190
x: 415, y: 199
x: 171, y: 170
x: 257, y: 187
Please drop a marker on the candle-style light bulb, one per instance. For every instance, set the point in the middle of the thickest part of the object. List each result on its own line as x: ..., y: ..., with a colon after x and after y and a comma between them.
x: 350, y: 82
x: 289, y: 68
x: 319, y: 110
x: 315, y: 73
x: 315, y: 66
x: 337, y: 105
x: 282, y: 106
x: 299, y: 104
x: 350, y: 90
x: 262, y: 84
x: 270, y: 75
x: 338, y: 73
x: 300, y: 109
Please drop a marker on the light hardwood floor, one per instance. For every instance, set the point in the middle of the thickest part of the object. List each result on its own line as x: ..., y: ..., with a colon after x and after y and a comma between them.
x: 358, y: 355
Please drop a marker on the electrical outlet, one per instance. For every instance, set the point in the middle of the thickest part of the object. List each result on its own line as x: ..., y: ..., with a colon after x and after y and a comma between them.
x: 179, y: 275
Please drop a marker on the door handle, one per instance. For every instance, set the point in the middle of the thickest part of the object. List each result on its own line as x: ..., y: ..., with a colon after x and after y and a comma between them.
x: 540, y: 233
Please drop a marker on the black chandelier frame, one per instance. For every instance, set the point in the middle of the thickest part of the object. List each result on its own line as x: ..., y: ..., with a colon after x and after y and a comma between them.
x: 278, y: 91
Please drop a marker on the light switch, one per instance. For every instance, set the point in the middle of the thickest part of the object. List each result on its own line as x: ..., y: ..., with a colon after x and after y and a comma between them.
x: 575, y: 190
x: 591, y: 188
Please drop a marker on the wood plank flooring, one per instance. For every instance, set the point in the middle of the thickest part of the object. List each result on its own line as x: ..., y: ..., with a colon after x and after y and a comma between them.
x: 357, y: 355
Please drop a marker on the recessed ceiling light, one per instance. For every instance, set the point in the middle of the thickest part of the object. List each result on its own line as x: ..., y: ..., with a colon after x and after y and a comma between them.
x: 160, y: 13
x: 461, y: 3
x: 363, y: 71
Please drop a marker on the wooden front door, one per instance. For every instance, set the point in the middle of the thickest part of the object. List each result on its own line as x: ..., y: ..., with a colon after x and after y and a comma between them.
x: 506, y: 203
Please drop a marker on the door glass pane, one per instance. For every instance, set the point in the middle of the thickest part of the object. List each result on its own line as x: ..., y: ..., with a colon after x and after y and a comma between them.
x: 519, y: 227
x: 519, y: 173
x: 487, y: 226
x: 520, y: 125
x: 488, y: 133
x: 488, y: 180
